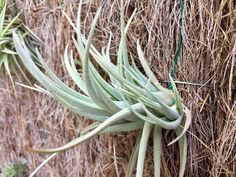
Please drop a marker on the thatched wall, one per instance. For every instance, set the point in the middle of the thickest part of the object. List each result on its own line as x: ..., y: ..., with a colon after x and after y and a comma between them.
x: 207, y: 58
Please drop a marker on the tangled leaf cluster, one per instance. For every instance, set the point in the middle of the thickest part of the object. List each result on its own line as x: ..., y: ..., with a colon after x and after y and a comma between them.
x: 14, y: 170
x: 130, y: 100
x: 8, y: 56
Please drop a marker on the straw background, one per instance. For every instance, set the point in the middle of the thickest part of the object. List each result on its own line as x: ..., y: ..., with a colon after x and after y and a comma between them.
x: 207, y: 57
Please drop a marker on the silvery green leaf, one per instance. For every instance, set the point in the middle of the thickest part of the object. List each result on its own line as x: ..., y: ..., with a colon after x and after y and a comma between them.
x: 124, y: 127
x: 2, y: 17
x: 73, y: 72
x: 63, y: 96
x: 162, y: 122
x: 165, y: 123
x: 8, y: 51
x: 143, y: 147
x: 134, y: 156
x: 157, y: 149
x: 56, y: 80
x: 129, y: 21
x: 4, y: 31
x: 179, y: 106
x: 183, y: 152
x: 148, y: 70
x: 187, y: 121
x: 86, y: 75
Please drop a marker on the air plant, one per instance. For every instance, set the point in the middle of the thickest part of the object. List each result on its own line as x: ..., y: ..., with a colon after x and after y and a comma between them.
x: 130, y: 100
x: 8, y: 57
x: 14, y: 170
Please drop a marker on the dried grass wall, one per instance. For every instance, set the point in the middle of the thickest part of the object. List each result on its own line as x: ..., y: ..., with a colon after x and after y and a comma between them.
x: 207, y: 58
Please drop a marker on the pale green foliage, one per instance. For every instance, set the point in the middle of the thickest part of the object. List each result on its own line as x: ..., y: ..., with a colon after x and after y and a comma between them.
x: 129, y: 101
x: 8, y: 57
x: 14, y: 170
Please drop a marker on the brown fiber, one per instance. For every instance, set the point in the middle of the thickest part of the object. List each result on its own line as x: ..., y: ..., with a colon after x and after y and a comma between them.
x: 207, y: 58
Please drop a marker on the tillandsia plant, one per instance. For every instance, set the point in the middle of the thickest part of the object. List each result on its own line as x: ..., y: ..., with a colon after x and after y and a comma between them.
x: 130, y: 100
x: 8, y: 56
x: 14, y: 170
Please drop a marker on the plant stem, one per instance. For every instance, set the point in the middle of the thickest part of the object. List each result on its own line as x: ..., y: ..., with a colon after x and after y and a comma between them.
x: 134, y: 156
x: 142, y: 149
x: 157, y: 133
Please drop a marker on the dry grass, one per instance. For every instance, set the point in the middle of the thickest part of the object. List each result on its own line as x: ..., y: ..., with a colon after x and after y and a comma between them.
x: 207, y: 57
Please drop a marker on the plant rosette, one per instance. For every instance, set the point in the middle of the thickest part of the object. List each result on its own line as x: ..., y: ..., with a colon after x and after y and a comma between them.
x: 130, y: 100
x: 8, y: 57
